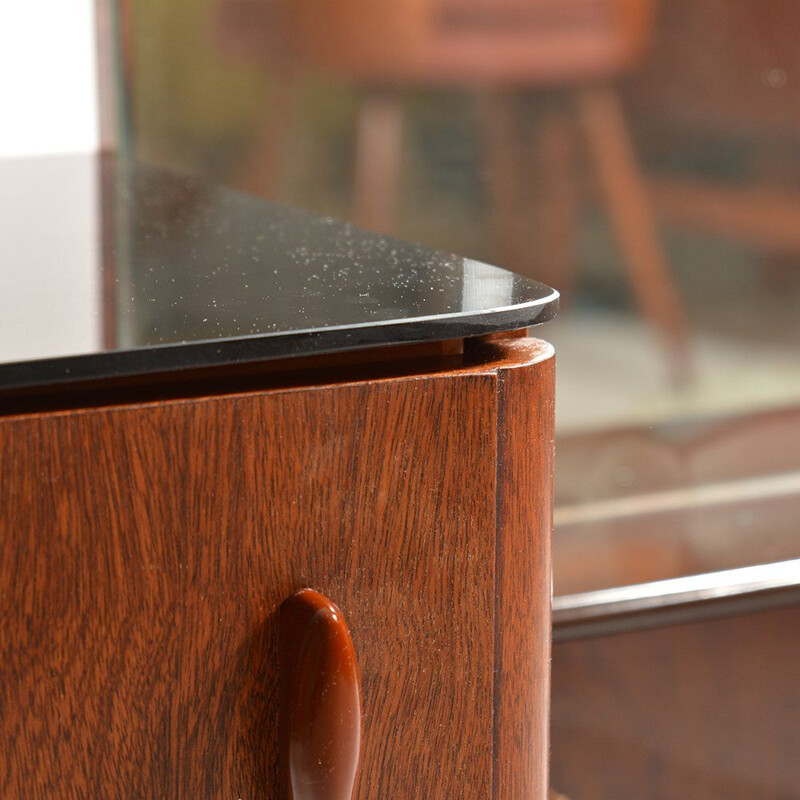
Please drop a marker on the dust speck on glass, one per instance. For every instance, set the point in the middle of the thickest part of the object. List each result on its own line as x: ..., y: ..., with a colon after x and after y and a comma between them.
x: 193, y: 274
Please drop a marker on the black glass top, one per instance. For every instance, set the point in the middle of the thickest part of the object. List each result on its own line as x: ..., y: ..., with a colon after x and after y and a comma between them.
x: 110, y: 270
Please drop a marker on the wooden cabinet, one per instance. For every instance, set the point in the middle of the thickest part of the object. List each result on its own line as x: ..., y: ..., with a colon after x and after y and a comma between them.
x: 146, y: 547
x: 704, y: 707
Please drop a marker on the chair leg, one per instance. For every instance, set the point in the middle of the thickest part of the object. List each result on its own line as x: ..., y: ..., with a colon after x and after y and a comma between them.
x: 623, y: 188
x: 532, y: 189
x: 503, y: 170
x: 554, y: 184
x: 379, y: 143
x: 262, y: 171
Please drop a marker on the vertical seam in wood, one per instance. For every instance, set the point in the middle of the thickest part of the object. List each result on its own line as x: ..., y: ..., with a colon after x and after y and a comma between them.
x: 498, y: 567
x: 521, y: 627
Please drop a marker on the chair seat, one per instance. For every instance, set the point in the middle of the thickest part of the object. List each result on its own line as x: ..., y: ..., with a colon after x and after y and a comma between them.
x: 445, y: 42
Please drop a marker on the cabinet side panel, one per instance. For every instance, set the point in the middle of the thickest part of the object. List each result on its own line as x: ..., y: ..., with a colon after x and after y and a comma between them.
x: 144, y: 552
x: 705, y: 709
x: 523, y: 573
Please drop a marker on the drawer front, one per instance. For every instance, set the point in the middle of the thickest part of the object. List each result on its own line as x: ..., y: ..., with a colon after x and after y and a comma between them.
x: 145, y: 551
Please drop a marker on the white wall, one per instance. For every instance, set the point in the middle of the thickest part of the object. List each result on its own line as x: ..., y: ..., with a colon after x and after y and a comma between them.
x: 50, y: 257
x: 48, y: 77
x: 49, y: 213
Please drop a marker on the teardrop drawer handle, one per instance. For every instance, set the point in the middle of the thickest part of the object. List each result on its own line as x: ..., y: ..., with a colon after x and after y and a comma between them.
x: 321, y: 700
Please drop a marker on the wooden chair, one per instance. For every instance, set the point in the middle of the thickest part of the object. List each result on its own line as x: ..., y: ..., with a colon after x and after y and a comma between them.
x: 499, y: 47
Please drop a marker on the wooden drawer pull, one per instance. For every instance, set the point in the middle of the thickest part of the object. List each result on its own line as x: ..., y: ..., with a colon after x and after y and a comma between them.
x: 321, y: 700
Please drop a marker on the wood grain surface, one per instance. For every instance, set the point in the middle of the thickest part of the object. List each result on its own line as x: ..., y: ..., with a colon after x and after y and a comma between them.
x: 703, y: 710
x: 145, y: 550
x: 523, y: 575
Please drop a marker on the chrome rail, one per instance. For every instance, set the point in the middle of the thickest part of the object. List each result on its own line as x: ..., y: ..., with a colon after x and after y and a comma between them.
x: 676, y: 599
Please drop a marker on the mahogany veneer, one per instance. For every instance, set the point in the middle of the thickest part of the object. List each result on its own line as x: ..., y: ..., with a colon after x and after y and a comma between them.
x: 145, y: 550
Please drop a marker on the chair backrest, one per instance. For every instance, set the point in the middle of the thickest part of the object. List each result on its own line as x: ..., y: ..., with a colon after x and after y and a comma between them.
x: 524, y: 42
x: 558, y: 16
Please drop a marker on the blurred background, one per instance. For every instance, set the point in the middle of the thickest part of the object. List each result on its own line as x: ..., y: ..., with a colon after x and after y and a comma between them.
x: 641, y: 157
